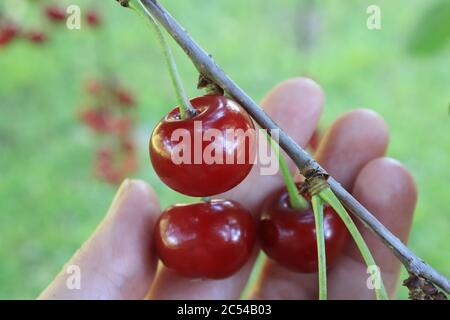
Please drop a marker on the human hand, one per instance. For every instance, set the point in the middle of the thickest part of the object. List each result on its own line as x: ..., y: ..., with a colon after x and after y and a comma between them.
x: 117, y: 261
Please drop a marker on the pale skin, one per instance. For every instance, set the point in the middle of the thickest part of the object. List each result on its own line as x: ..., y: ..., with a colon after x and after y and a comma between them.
x: 117, y: 261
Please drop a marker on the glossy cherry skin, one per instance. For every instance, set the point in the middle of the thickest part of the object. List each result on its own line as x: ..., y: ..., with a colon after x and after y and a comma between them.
x: 202, y: 178
x: 288, y: 236
x: 211, y: 239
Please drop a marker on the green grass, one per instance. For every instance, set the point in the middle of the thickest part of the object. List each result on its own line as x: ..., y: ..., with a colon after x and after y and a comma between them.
x: 49, y: 203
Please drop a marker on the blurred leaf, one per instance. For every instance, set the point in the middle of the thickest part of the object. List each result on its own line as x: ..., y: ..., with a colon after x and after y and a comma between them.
x: 432, y: 32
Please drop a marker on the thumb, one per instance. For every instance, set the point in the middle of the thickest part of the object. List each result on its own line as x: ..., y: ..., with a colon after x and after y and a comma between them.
x: 117, y: 261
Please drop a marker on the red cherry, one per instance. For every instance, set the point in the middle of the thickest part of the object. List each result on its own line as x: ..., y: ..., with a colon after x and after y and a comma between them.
x: 127, y: 145
x: 92, y: 18
x: 104, y: 168
x: 104, y: 154
x: 124, y: 97
x: 96, y: 119
x: 121, y: 126
x: 210, y: 239
x: 129, y: 164
x: 55, y: 13
x: 288, y: 236
x: 94, y: 87
x: 37, y: 37
x: 7, y: 34
x: 195, y: 175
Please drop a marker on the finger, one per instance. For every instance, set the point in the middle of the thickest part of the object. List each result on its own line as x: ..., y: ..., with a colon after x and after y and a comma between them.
x: 117, y: 262
x: 389, y: 192
x: 354, y: 139
x: 296, y: 105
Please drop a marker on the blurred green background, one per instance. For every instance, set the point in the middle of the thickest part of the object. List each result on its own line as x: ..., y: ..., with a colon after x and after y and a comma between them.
x: 50, y: 203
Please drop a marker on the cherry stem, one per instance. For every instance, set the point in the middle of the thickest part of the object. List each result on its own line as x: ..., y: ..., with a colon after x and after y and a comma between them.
x: 185, y: 107
x: 254, y: 276
x: 317, y: 204
x: 295, y: 199
x: 328, y: 196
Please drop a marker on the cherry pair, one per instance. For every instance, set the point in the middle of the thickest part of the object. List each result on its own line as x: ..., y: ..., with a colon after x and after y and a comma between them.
x: 214, y: 239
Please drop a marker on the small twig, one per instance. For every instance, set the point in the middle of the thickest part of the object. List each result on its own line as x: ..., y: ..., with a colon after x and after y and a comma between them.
x: 307, y: 165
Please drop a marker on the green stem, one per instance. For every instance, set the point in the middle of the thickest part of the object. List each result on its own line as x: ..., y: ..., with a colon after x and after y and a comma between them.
x: 185, y: 107
x: 317, y: 204
x: 254, y: 276
x: 295, y: 199
x: 328, y: 196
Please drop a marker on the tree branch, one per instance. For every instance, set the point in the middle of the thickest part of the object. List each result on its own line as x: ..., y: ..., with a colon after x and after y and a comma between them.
x: 307, y: 165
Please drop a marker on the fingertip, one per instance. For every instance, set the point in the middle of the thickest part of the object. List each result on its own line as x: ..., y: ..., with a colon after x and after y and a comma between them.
x: 388, y: 190
x: 295, y: 104
x: 385, y: 182
x: 357, y: 122
x: 354, y: 139
x: 134, y: 197
x: 144, y: 192
x: 294, y: 90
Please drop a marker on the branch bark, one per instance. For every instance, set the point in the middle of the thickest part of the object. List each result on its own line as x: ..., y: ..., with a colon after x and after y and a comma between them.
x: 305, y: 163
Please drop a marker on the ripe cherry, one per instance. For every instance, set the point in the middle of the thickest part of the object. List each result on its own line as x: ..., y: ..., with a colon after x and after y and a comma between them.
x: 55, y: 13
x: 7, y: 34
x: 127, y: 145
x: 194, y: 173
x: 124, y: 97
x: 94, y: 87
x: 37, y: 37
x: 103, y: 165
x: 121, y: 126
x: 113, y: 166
x: 288, y: 235
x: 96, y: 119
x: 92, y: 18
x: 211, y: 239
